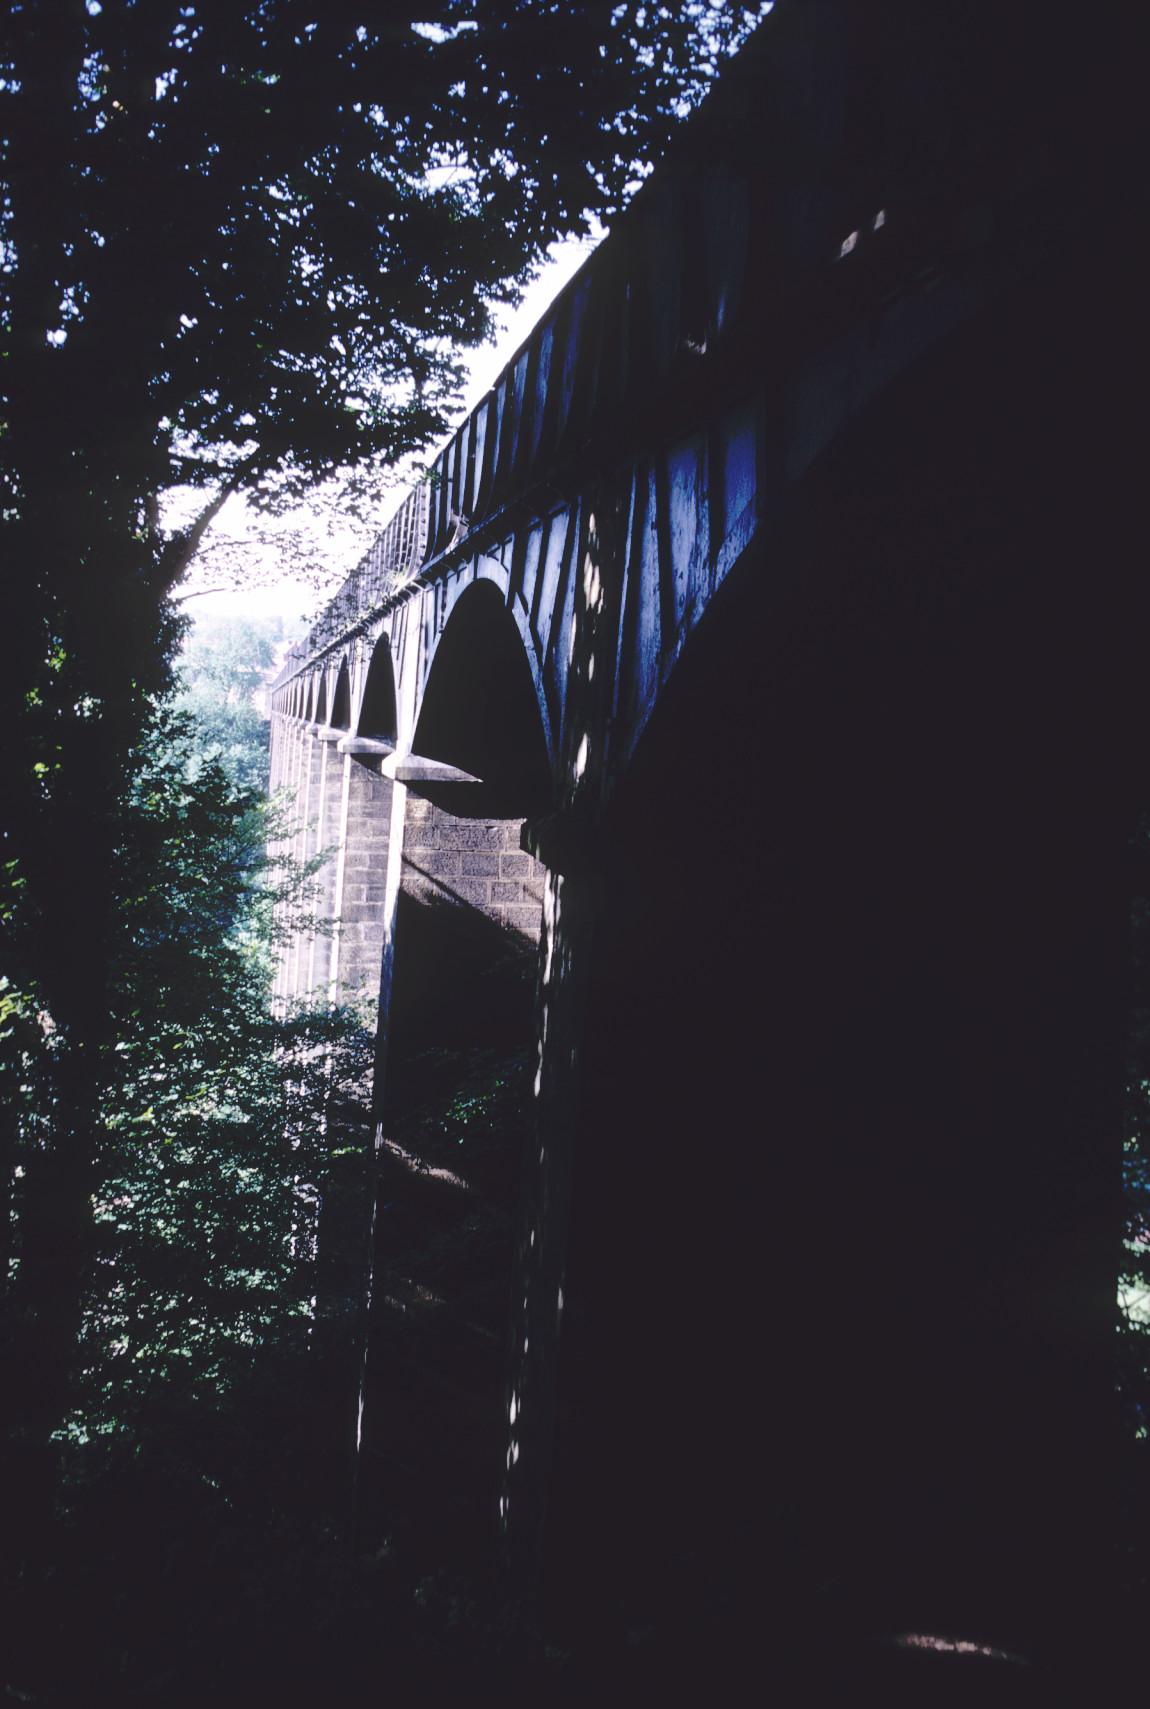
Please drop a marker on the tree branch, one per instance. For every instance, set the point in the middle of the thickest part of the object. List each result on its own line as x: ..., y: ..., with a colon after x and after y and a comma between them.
x: 198, y: 593
x: 178, y: 552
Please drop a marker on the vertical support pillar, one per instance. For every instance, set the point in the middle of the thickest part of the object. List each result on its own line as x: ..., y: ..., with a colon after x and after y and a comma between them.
x: 334, y: 989
x: 306, y: 791
x: 393, y: 879
x: 569, y: 908
x: 359, y: 901
x: 568, y: 847
x: 358, y: 859
x: 329, y: 828
x: 315, y: 937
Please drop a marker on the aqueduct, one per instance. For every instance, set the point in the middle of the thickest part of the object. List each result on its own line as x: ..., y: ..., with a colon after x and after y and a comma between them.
x: 745, y: 715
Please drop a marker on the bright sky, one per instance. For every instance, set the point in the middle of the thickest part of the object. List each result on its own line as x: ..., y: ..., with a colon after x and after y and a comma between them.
x: 293, y: 599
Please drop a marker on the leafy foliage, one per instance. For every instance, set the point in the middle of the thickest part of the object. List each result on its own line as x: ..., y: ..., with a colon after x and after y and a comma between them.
x: 202, y: 1343
x: 222, y: 666
x: 213, y: 1112
x: 255, y: 233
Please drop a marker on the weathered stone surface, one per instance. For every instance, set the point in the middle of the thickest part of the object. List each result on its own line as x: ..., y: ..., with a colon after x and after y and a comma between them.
x: 480, y: 865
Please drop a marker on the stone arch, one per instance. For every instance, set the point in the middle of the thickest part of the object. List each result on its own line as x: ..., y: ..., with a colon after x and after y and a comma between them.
x: 319, y: 712
x: 489, y: 574
x: 377, y: 712
x: 480, y: 710
x: 340, y: 718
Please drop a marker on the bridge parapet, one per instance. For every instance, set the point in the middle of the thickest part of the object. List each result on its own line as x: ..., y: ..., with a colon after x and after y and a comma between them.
x: 388, y: 566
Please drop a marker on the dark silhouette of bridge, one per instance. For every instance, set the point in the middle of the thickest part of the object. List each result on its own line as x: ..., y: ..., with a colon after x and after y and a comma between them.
x: 743, y: 723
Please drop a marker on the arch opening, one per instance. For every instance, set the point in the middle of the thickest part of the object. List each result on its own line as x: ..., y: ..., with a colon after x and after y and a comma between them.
x: 377, y: 716
x: 341, y: 700
x: 480, y: 713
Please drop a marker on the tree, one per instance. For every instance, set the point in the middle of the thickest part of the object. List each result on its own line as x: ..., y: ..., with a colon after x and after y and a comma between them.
x: 223, y: 665
x: 242, y: 242
x: 197, y: 1311
x: 238, y: 242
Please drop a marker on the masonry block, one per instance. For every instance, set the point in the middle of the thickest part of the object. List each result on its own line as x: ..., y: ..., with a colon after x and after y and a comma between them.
x: 507, y: 891
x: 480, y: 836
x: 424, y: 834
x: 477, y: 864
x: 473, y: 891
x: 441, y: 863
x: 525, y: 917
x: 357, y: 912
x: 515, y: 865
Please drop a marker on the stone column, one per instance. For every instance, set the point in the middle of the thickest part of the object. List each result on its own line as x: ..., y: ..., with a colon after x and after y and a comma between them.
x: 567, y: 846
x: 307, y: 782
x: 360, y: 899
x: 568, y: 918
x: 329, y: 833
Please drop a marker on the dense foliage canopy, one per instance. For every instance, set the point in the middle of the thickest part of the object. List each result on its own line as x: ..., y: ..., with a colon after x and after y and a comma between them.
x: 241, y: 241
x: 222, y: 668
